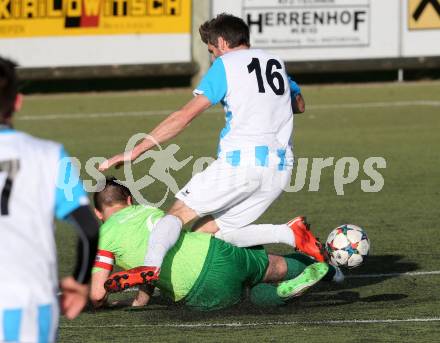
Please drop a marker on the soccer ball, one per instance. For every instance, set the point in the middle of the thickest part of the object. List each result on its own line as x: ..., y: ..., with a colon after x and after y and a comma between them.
x: 347, y: 246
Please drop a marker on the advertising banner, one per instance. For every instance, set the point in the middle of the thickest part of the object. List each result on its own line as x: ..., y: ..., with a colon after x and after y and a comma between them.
x: 51, y: 33
x: 423, y: 14
x: 295, y: 23
x: 421, y: 28
x: 314, y: 30
x: 37, y: 18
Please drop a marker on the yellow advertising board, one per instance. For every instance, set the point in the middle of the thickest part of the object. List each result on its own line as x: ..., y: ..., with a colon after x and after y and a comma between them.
x: 423, y: 14
x: 37, y: 18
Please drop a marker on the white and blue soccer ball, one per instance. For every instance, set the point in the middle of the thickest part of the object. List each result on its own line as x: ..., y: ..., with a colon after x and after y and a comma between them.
x: 347, y: 246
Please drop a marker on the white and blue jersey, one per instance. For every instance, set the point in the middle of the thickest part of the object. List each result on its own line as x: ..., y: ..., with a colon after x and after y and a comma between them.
x: 256, y: 92
x: 255, y: 158
x: 30, y: 171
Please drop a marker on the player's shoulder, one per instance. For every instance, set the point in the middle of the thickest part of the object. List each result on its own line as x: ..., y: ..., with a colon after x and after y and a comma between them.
x: 245, y: 54
x: 267, y: 55
x: 131, y: 215
x: 145, y: 209
x: 37, y: 144
x: 238, y: 58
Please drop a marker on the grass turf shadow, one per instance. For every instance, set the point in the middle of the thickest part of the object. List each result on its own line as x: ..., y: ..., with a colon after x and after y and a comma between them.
x: 312, y: 300
x: 376, y: 269
x: 382, y: 264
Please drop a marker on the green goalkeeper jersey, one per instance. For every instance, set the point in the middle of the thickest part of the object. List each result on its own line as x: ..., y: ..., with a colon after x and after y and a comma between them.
x: 124, y: 239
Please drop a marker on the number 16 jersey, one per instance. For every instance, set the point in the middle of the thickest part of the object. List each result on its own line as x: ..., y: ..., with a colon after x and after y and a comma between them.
x: 254, y: 89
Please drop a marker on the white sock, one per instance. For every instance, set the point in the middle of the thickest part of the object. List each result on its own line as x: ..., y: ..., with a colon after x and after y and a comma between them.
x: 339, y: 275
x: 258, y: 234
x: 163, y: 237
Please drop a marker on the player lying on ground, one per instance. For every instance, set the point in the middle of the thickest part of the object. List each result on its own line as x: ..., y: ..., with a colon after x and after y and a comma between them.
x: 200, y: 271
x: 255, y: 157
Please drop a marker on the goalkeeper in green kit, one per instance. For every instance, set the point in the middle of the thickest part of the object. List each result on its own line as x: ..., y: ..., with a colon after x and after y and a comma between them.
x: 200, y: 271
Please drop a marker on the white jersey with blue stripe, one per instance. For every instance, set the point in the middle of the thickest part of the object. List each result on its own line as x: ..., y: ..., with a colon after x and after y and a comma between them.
x: 29, y: 200
x: 255, y: 91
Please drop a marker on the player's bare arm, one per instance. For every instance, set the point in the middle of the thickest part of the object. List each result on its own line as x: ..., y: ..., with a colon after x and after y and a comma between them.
x: 276, y: 269
x: 298, y: 104
x: 174, y: 124
x: 74, y: 297
x: 98, y: 294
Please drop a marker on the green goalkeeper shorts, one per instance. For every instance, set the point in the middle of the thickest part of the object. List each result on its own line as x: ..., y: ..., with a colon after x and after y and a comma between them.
x: 227, y: 271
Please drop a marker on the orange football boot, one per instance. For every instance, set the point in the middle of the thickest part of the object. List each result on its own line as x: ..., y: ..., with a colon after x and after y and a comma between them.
x: 305, y: 241
x: 132, y: 277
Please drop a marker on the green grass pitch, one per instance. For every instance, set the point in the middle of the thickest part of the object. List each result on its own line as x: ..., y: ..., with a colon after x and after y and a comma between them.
x: 398, y: 122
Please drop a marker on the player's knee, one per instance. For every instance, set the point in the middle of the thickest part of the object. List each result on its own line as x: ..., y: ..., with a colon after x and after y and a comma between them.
x: 276, y: 270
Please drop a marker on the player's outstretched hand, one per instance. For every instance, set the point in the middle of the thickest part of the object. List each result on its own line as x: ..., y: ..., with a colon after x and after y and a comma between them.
x: 74, y: 297
x: 116, y: 161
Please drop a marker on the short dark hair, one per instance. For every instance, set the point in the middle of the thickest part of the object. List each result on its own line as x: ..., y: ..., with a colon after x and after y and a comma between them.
x: 8, y: 88
x: 231, y: 28
x: 113, y: 193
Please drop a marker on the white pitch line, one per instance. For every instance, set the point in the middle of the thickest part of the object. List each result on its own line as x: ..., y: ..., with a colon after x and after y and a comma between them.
x: 376, y: 104
x: 218, y: 110
x: 101, y: 115
x: 239, y: 324
x: 93, y: 115
x: 367, y: 276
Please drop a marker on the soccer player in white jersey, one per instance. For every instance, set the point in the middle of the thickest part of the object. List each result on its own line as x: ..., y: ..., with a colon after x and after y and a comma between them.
x: 29, y: 199
x: 255, y: 158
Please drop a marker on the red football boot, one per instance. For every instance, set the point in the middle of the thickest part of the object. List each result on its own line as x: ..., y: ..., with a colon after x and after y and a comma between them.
x: 132, y: 277
x: 305, y: 241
